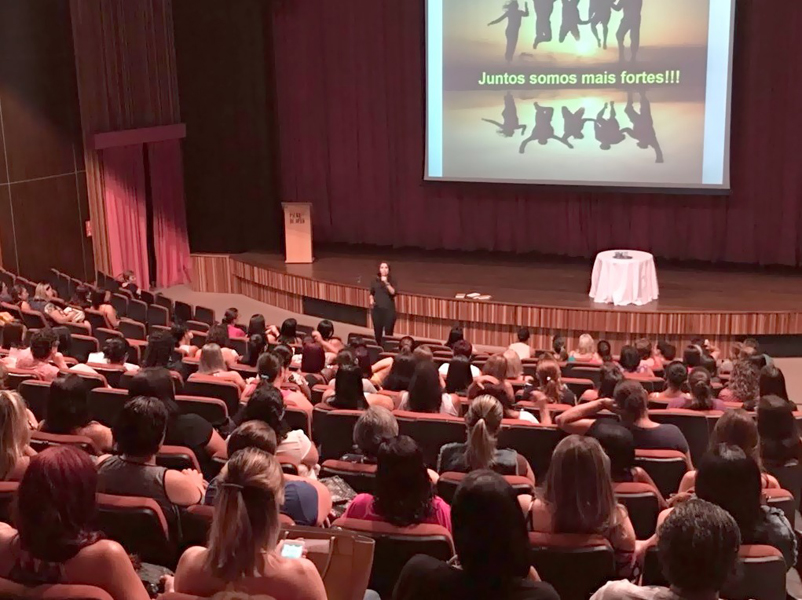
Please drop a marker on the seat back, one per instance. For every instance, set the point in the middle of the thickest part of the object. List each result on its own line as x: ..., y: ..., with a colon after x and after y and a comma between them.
x: 35, y: 394
x: 238, y: 345
x: 298, y: 418
x: 212, y: 387
x: 790, y: 478
x: 112, y: 373
x: 96, y: 319
x: 333, y: 431
x: 137, y: 311
x: 535, y: 442
x: 204, y: 315
x: 17, y: 376
x: 106, y: 403
x: 396, y: 545
x: 694, y: 427
x: 361, y: 477
x: 177, y: 457
x: 213, y: 410
x: 782, y: 499
x: 158, y: 315
x: 578, y: 386
x: 576, y: 565
x: 83, y: 346
x: 584, y: 371
x: 33, y: 319
x: 131, y: 329
x: 120, y: 304
x: 182, y: 311
x: 8, y: 493
x: 642, y: 504
x: 102, y: 334
x: 448, y: 483
x: 139, y: 525
x: 79, y: 328
x: 431, y: 432
x: 665, y: 467
x: 164, y: 301
x: 41, y: 441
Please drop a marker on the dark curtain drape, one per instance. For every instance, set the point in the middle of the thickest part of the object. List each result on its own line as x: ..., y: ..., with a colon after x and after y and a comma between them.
x: 350, y: 85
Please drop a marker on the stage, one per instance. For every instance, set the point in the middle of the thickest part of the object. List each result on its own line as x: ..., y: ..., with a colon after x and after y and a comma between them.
x: 547, y: 295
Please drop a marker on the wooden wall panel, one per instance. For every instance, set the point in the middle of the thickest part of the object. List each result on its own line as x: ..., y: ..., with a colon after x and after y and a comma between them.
x: 212, y: 273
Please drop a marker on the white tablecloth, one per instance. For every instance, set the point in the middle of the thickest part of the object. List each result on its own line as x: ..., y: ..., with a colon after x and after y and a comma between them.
x: 623, y: 281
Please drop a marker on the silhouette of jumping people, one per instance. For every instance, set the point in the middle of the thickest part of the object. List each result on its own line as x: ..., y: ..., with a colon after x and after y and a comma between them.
x: 543, y: 11
x: 600, y: 13
x: 642, y: 129
x: 574, y: 124
x: 630, y: 24
x: 514, y: 16
x: 608, y: 131
x: 543, y: 130
x: 571, y: 20
x: 509, y: 117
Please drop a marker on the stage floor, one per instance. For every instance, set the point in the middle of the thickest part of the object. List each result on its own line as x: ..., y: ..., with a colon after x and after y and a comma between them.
x: 546, y: 282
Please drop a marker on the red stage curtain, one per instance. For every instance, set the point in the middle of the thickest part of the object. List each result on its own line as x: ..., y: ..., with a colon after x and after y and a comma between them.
x: 126, y: 216
x: 350, y: 95
x: 169, y: 213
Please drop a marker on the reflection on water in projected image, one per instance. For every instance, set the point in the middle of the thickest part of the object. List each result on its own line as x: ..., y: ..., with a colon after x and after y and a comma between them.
x: 553, y: 136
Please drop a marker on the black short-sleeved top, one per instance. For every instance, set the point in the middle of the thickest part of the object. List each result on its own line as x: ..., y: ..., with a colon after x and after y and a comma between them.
x: 662, y: 437
x: 193, y: 432
x: 425, y: 577
x: 378, y: 289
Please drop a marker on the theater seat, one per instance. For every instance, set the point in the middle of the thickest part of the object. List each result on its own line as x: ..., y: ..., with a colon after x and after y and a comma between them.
x: 139, y: 525
x: 33, y: 319
x: 361, y: 477
x: 449, y: 482
x: 578, y: 386
x: 790, y: 478
x: 782, y: 499
x: 665, y: 467
x: 204, y: 315
x: 134, y: 330
x: 213, y: 410
x: 58, y: 591
x: 431, y: 432
x: 35, y: 394
x: 97, y: 319
x: 17, y: 376
x: 106, y: 403
x: 576, y: 565
x: 158, y: 315
x: 112, y: 373
x: 333, y: 430
x: 298, y: 418
x: 182, y: 311
x: 83, y: 346
x: 41, y: 441
x: 177, y: 457
x: 396, y: 545
x: 692, y: 423
x: 213, y: 387
x: 643, y: 505
x: 535, y: 442
x: 196, y: 521
x: 8, y: 494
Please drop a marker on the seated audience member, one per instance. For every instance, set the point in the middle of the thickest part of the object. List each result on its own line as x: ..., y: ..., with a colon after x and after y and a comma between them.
x: 490, y: 386
x: 13, y: 341
x: 558, y: 348
x: 218, y: 334
x: 586, y: 350
x: 780, y: 444
x: 496, y: 367
x: 288, y: 334
x: 455, y: 335
x: 161, y: 352
x: 676, y: 379
x: 257, y: 326
x: 43, y: 303
x: 692, y: 356
x: 20, y: 296
x: 344, y: 357
x: 182, y: 337
x: 772, y: 382
x: 291, y: 378
x: 605, y: 351
x: 115, y: 353
x: 744, y: 385
x: 702, y: 396
x: 646, y: 353
x: 44, y: 349
x: 522, y: 347
x: 362, y: 358
x: 267, y: 405
x: 304, y: 498
x: 313, y: 357
x: 630, y: 403
x: 734, y: 428
x: 423, y: 354
x: 349, y: 394
x: 610, y: 375
x: 81, y: 297
x: 212, y: 364
x: 459, y: 377
x: 630, y: 361
x: 426, y: 395
x: 461, y: 348
x: 483, y: 421
x: 399, y: 375
x: 492, y: 548
x: 697, y: 560
x: 67, y: 413
x: 139, y: 434
x: 127, y: 281
x: 15, y: 437
x: 619, y: 446
x: 101, y: 302
x: 579, y: 498
x: 736, y: 354
x: 751, y: 347
x: 256, y: 345
x: 230, y: 318
x: 243, y: 551
x: 664, y: 354
x: 55, y: 540
x: 271, y: 369
x: 515, y: 368
x: 324, y: 335
x: 706, y: 347
x: 64, y: 339
x: 549, y: 382
x: 189, y: 430
x: 404, y: 494
x: 374, y: 427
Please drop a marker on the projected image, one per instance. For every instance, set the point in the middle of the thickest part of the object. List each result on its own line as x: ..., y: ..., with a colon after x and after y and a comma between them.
x: 613, y: 92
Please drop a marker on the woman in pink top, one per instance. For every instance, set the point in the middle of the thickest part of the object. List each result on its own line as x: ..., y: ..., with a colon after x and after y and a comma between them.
x: 404, y: 494
x: 230, y: 321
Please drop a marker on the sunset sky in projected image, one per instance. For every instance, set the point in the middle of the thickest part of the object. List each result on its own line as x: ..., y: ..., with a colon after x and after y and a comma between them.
x: 468, y: 38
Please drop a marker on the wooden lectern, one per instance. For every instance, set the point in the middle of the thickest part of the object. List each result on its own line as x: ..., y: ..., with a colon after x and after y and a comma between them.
x: 298, y: 232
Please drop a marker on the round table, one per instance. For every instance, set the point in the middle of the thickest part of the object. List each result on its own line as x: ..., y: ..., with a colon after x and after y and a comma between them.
x: 623, y: 281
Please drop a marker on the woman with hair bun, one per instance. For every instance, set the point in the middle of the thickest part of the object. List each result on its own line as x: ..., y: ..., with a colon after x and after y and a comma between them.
x: 702, y: 395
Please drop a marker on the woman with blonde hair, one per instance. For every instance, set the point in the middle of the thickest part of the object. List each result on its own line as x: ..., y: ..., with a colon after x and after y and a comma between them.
x: 243, y: 554
x: 15, y: 436
x: 578, y: 498
x: 483, y: 421
x: 515, y: 368
x: 586, y: 351
x: 43, y: 302
x: 213, y: 364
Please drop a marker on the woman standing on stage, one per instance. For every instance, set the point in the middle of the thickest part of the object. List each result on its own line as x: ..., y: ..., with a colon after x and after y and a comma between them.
x: 382, y: 302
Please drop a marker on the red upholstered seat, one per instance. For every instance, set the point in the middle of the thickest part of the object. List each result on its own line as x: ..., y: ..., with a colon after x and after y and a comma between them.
x: 213, y: 410
x: 42, y: 441
x: 139, y: 525
x: 782, y: 499
x: 665, y: 467
x: 431, y: 431
x: 361, y: 477
x: 643, y: 505
x: 449, y: 482
x: 693, y: 424
x: 106, y: 403
x: 534, y: 442
x: 177, y: 457
x: 333, y: 430
x: 213, y: 387
x: 575, y: 564
x: 35, y: 393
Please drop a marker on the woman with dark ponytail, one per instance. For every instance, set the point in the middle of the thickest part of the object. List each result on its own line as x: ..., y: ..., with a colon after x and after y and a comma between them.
x: 549, y: 382
x: 702, y: 395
